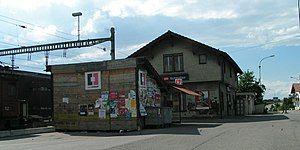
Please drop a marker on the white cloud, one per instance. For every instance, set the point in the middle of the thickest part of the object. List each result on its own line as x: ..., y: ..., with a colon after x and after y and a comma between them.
x: 277, y: 88
x: 9, y: 39
x: 32, y: 5
x: 190, y: 10
x: 98, y: 23
x: 92, y: 55
x: 125, y: 51
x: 39, y: 34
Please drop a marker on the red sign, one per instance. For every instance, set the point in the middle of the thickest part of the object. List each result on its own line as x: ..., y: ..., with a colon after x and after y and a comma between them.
x: 178, y: 81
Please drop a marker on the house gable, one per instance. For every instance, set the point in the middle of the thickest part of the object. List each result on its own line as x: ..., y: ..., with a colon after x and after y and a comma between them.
x: 171, y: 38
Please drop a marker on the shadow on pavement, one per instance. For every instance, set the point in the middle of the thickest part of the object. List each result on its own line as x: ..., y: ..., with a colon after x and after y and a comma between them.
x: 188, y: 127
x: 244, y: 119
x: 176, y: 129
x: 266, y: 117
x: 19, y: 137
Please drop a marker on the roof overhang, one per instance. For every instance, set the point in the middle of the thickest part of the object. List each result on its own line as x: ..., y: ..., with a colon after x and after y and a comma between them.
x: 187, y: 91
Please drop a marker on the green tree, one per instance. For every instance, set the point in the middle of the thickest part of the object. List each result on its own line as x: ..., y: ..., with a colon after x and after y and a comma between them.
x: 247, y: 83
x: 287, y: 103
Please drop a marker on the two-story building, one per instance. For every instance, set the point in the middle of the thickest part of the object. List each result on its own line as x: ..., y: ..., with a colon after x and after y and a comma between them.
x: 197, y: 67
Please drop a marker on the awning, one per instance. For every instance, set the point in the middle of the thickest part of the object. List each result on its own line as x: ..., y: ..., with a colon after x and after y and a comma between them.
x: 187, y: 91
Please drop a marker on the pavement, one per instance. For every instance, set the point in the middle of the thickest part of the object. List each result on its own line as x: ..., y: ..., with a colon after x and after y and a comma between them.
x: 20, y: 132
x: 256, y: 132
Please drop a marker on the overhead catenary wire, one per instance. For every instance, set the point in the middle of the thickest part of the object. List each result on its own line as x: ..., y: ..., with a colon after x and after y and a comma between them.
x: 7, y: 43
x: 18, y: 20
x: 5, y: 33
x: 29, y: 28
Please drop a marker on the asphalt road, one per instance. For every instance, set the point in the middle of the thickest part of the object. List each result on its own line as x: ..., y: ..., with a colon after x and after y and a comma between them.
x: 260, y: 132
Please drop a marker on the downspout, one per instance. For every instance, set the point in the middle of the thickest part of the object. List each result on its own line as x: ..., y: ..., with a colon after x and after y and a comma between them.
x: 137, y: 97
x: 221, y: 101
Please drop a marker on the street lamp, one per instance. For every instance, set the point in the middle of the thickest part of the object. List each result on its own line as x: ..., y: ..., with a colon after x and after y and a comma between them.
x: 259, y: 67
x: 78, y: 14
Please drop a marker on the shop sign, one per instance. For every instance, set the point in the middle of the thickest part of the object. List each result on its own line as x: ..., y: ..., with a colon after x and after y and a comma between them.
x: 178, y: 81
x: 172, y: 77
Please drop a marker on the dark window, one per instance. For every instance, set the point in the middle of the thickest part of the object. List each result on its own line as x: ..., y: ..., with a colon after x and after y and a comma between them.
x: 168, y: 63
x: 202, y: 59
x: 173, y: 62
x: 178, y: 62
x: 230, y: 72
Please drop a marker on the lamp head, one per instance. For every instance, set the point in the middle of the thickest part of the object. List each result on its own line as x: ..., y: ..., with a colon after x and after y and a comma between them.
x: 76, y: 14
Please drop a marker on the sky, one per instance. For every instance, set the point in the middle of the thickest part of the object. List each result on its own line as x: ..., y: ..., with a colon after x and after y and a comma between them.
x: 247, y: 30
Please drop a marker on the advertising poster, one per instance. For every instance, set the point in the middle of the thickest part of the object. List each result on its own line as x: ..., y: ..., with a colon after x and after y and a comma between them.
x: 133, y: 113
x: 102, y: 114
x: 93, y: 80
x: 113, y: 109
x: 133, y: 104
x: 65, y: 100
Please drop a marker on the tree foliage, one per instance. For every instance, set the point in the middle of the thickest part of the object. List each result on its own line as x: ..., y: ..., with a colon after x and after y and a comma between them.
x: 288, y: 103
x: 247, y: 83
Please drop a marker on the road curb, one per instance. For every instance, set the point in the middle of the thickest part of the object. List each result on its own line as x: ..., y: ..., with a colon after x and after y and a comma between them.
x: 10, y: 133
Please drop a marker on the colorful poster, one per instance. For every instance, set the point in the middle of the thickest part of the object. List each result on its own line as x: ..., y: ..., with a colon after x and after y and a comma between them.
x: 83, y: 110
x: 133, y: 104
x: 98, y: 103
x: 90, y: 109
x: 127, y: 103
x: 131, y: 94
x: 104, y: 95
x: 133, y: 114
x: 113, y: 95
x: 102, y: 113
x: 122, y: 94
x: 143, y: 110
x: 113, y: 109
x: 93, y: 80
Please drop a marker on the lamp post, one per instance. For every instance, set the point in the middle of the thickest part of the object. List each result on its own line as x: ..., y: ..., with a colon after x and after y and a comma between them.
x: 259, y: 67
x: 78, y: 14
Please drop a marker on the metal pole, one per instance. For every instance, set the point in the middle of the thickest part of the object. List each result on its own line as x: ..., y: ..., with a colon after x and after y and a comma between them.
x: 112, y: 36
x: 259, y: 70
x: 299, y: 12
x: 78, y: 28
x: 12, y: 62
x: 180, y: 107
x: 77, y: 14
x: 259, y: 67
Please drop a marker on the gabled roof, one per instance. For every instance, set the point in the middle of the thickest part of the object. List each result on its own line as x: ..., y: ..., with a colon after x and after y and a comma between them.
x: 169, y: 34
x: 295, y: 88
